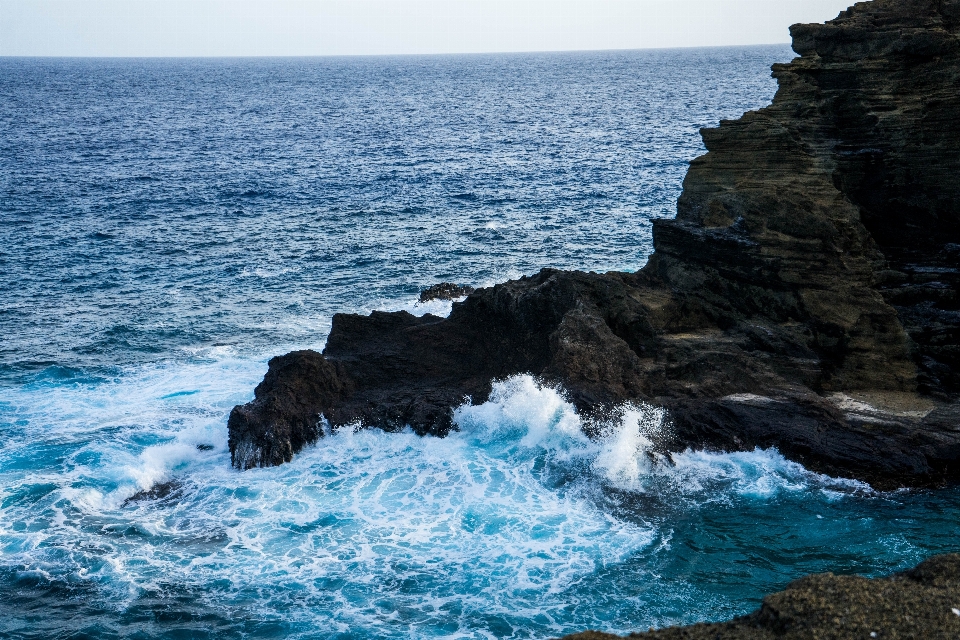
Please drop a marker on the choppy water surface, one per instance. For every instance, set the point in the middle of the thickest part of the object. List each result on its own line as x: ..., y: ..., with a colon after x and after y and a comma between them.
x: 168, y: 225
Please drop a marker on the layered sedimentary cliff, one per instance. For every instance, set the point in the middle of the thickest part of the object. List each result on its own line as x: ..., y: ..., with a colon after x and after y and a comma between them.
x: 919, y: 603
x: 805, y: 296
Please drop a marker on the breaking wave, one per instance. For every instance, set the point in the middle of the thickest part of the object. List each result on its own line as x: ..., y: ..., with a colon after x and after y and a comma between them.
x: 517, y: 525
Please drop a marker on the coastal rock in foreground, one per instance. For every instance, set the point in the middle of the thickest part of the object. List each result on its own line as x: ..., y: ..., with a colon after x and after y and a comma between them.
x: 805, y: 296
x: 920, y: 603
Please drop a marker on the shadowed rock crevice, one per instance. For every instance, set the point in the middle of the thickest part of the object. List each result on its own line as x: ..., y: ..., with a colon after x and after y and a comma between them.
x: 805, y: 296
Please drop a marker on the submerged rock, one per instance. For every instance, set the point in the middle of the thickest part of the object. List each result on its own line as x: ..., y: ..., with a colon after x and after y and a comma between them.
x: 805, y: 296
x: 919, y: 603
x: 160, y: 491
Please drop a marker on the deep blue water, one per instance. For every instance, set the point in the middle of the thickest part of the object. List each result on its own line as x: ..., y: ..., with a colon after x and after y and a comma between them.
x: 168, y: 225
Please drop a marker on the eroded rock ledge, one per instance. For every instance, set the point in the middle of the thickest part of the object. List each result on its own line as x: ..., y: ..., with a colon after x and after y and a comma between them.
x: 920, y: 603
x: 805, y: 296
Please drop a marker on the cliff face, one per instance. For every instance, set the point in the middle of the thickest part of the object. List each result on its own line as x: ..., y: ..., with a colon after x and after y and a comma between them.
x: 805, y: 297
x: 842, y: 199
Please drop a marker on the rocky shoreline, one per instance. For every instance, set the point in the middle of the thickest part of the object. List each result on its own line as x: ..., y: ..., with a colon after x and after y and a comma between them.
x: 922, y: 603
x: 804, y: 298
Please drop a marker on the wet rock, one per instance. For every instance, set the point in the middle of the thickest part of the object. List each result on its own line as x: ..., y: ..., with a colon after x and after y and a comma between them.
x: 919, y: 603
x: 805, y: 296
x: 169, y: 490
x: 445, y: 291
x: 285, y: 414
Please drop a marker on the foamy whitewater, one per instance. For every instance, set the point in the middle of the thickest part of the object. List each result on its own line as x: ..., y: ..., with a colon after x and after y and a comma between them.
x: 499, y: 530
x: 167, y: 226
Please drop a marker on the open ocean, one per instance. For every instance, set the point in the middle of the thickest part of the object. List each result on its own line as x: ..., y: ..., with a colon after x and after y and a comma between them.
x: 168, y: 225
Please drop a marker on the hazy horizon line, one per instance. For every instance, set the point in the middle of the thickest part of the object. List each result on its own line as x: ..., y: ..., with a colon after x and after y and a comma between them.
x: 389, y: 55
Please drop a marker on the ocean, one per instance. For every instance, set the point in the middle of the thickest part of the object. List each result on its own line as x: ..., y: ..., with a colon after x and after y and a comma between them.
x: 168, y: 225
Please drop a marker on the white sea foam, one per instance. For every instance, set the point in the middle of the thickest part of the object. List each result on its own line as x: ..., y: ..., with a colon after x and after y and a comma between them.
x: 523, y: 408
x: 383, y: 531
x: 623, y: 454
x: 626, y: 448
x: 440, y: 308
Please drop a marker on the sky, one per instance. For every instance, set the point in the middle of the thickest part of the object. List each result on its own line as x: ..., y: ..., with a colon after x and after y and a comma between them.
x: 365, y: 27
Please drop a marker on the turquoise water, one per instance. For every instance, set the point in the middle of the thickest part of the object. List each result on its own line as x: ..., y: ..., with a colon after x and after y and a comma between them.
x: 168, y: 225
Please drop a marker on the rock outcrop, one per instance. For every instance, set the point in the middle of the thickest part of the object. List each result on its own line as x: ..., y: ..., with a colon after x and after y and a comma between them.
x: 805, y: 296
x: 920, y: 603
x: 445, y: 291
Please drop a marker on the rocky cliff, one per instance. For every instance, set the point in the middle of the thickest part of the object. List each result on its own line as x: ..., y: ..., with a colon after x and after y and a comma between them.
x: 805, y: 296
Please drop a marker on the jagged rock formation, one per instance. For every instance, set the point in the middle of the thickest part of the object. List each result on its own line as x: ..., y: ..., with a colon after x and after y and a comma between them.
x: 445, y: 291
x: 920, y: 603
x: 805, y: 296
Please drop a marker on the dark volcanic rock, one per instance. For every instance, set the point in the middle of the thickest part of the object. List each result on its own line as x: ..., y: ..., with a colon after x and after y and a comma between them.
x: 161, y: 491
x: 445, y: 291
x: 805, y: 296
x: 920, y: 603
x: 284, y: 415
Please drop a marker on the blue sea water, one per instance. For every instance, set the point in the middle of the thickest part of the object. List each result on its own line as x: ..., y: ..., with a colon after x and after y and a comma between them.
x: 168, y: 225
